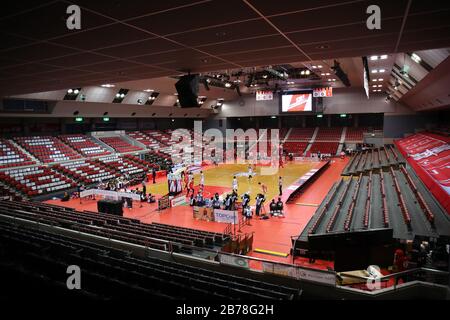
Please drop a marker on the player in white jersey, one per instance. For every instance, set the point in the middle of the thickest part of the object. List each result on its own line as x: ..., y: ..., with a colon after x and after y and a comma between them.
x: 235, y: 184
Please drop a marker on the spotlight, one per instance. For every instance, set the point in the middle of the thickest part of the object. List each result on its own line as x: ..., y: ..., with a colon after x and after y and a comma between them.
x: 416, y: 58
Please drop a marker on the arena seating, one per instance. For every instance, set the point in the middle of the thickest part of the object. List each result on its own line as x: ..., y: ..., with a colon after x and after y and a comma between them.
x: 162, y: 137
x: 86, y: 171
x: 11, y: 156
x: 151, y: 277
x: 329, y: 134
x: 145, y: 139
x: 429, y: 155
x: 84, y: 145
x: 355, y: 134
x: 159, y: 159
x: 124, y: 229
x: 137, y: 161
x: 295, y: 147
x: 382, y: 198
x: 123, y: 165
x: 324, y: 148
x: 301, y: 134
x: 372, y: 159
x: 47, y: 149
x: 120, y: 145
x: 38, y: 180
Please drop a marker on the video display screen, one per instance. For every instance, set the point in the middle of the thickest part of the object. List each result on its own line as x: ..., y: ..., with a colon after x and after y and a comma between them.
x: 296, y: 102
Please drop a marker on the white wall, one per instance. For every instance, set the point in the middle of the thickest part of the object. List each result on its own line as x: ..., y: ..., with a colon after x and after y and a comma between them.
x: 345, y: 100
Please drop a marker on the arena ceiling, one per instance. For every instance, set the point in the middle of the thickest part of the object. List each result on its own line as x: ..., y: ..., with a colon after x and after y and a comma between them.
x: 122, y: 41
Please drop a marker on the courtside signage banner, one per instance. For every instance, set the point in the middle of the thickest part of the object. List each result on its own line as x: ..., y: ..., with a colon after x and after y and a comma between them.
x: 203, y: 213
x: 264, y: 95
x: 323, y: 92
x: 296, y: 102
x: 234, y: 261
x: 178, y: 201
x: 225, y: 216
x: 316, y: 276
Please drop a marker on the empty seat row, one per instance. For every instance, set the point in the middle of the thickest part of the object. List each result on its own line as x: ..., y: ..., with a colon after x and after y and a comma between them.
x: 324, y: 148
x: 11, y: 156
x: 87, y: 171
x: 329, y: 134
x: 84, y: 145
x: 34, y: 181
x: 112, y: 272
x: 120, y: 145
x: 47, y: 149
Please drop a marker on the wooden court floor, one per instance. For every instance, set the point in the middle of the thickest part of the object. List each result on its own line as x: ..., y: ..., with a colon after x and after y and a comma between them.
x: 222, y: 176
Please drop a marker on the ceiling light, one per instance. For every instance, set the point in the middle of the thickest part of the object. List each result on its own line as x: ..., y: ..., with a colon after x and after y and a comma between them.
x: 108, y: 85
x: 314, y: 67
x: 327, y: 74
x: 374, y: 86
x: 149, y: 90
x: 416, y: 58
x: 69, y: 91
x: 302, y: 72
x: 384, y: 56
x: 117, y: 95
x: 374, y: 80
x: 380, y: 85
x: 381, y: 70
x: 76, y: 91
x: 307, y: 72
x: 273, y: 117
x: 319, y: 66
x: 374, y: 71
x: 322, y: 74
x: 381, y: 79
x: 374, y: 58
x: 264, y: 76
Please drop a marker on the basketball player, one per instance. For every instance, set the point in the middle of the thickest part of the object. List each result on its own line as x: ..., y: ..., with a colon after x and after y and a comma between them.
x: 280, y: 185
x: 250, y: 173
x: 202, y: 180
x: 263, y: 188
x: 235, y: 184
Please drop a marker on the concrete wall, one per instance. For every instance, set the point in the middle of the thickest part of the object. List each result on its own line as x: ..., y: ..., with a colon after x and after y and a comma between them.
x: 344, y: 100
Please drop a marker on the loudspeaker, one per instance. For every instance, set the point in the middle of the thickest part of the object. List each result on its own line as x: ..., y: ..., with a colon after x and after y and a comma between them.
x: 110, y: 206
x: 187, y: 88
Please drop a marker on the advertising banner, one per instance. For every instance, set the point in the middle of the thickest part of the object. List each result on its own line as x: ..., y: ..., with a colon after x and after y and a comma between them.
x: 234, y: 261
x: 225, y: 216
x: 203, y: 213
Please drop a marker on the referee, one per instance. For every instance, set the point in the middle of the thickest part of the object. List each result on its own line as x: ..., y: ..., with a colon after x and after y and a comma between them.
x: 280, y: 185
